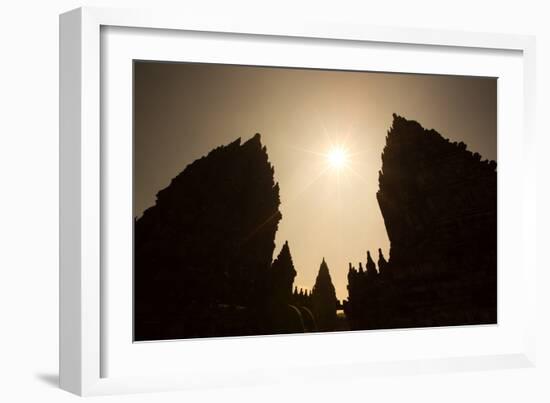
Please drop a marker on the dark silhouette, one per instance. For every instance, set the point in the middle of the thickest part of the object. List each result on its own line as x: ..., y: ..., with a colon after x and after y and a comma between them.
x: 302, y: 300
x: 323, y: 299
x: 286, y: 314
x: 203, y: 252
x: 382, y: 263
x: 301, y: 297
x: 439, y: 206
x: 282, y: 276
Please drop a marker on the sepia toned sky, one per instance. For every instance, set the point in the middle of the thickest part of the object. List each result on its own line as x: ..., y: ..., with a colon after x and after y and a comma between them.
x: 182, y: 111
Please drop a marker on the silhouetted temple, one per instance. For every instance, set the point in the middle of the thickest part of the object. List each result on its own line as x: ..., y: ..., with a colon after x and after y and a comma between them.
x: 288, y: 312
x: 439, y: 204
x: 302, y: 301
x: 282, y: 276
x: 323, y: 299
x: 302, y: 297
x: 203, y: 252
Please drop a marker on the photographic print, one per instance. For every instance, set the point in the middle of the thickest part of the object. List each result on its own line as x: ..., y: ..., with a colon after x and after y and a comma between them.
x: 272, y: 200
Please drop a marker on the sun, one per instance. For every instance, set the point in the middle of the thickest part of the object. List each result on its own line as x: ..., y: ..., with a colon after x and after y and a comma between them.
x: 337, y: 158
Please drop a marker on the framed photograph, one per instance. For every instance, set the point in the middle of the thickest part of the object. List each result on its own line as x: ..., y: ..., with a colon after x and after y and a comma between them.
x: 245, y: 201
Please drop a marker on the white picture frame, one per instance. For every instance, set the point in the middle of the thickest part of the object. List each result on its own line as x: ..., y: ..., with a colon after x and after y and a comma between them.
x: 87, y: 346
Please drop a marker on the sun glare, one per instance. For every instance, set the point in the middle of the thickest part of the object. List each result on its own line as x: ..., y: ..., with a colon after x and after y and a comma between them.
x: 337, y: 158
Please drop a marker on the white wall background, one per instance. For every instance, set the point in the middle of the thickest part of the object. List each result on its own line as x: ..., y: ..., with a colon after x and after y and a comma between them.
x: 29, y: 199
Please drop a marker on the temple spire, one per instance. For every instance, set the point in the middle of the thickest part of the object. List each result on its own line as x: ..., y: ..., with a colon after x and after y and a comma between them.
x: 382, y: 263
x: 370, y: 266
x: 282, y: 275
x: 324, y: 299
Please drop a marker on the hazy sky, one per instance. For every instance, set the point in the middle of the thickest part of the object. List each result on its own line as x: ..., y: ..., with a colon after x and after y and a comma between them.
x: 182, y: 111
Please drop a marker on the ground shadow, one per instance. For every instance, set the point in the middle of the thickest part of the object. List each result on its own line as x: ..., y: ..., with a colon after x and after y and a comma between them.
x: 49, y: 379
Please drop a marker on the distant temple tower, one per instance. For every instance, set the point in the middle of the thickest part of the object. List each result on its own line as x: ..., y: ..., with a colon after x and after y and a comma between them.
x: 282, y: 276
x: 324, y: 299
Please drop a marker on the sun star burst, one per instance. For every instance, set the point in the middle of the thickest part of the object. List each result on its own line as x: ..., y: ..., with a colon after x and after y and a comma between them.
x: 337, y: 158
